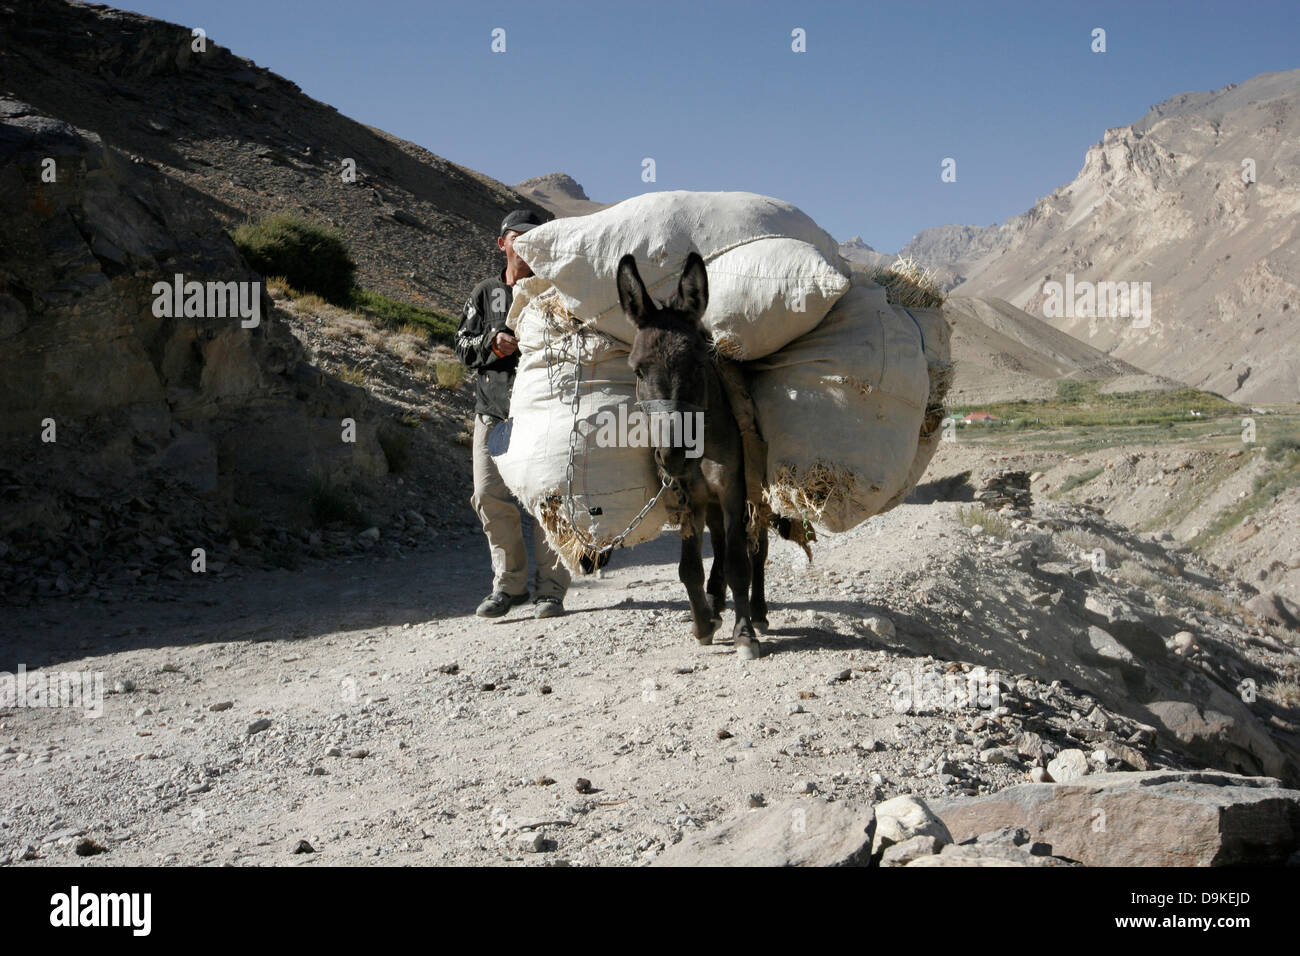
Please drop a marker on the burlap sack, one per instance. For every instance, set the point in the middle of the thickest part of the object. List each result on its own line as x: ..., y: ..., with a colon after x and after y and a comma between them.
x: 841, y: 408
x: 760, y: 297
x: 615, y: 480
x: 936, y: 334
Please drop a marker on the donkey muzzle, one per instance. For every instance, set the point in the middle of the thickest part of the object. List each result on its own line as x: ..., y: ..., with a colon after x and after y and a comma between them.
x: 676, y: 431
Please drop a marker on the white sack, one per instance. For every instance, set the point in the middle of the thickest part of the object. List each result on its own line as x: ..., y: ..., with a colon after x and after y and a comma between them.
x: 841, y: 409
x: 765, y: 294
x: 617, y: 480
x: 580, y: 255
x: 936, y: 333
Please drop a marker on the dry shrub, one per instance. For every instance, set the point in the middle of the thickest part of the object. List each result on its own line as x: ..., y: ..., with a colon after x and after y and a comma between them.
x: 1285, y: 692
x: 420, y: 333
x: 353, y: 375
x: 406, y: 348
x: 278, y: 287
x: 450, y: 375
x: 992, y: 522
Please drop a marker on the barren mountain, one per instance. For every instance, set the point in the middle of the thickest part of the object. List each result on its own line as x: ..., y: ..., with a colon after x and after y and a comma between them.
x: 560, y: 194
x: 1002, y: 353
x: 953, y: 253
x: 1200, y: 198
x: 420, y: 227
x: 857, y: 252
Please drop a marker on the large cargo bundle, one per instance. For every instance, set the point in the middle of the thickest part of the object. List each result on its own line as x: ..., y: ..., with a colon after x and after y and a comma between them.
x: 773, y: 273
x: 847, y: 386
x: 841, y: 409
x: 586, y: 508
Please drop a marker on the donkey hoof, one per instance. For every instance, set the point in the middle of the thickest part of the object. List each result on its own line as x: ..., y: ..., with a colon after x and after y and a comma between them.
x: 760, y: 624
x: 744, y: 640
x: 705, y: 634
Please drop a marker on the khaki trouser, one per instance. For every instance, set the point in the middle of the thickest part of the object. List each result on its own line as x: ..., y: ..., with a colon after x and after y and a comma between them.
x: 502, y: 525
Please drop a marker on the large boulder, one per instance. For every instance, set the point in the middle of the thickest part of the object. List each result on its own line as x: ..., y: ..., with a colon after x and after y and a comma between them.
x: 980, y: 853
x: 1276, y: 609
x: 1158, y: 818
x: 796, y: 833
x: 1220, y: 729
x: 906, y: 818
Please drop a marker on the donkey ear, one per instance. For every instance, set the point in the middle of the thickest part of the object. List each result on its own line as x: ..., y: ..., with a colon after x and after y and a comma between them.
x: 632, y: 295
x: 693, y: 287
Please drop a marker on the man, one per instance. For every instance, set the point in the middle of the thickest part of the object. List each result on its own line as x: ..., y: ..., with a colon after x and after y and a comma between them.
x: 489, y: 348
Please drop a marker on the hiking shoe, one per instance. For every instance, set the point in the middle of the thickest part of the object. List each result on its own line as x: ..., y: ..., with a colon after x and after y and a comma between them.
x: 498, y: 603
x: 548, y: 607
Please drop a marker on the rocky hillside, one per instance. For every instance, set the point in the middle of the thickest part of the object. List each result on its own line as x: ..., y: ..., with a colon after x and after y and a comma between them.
x: 1003, y: 353
x: 1200, y: 198
x: 130, y: 438
x: 249, y: 142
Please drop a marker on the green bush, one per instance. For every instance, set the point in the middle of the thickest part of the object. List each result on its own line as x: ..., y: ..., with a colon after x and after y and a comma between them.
x: 391, y: 313
x: 1279, y: 447
x: 310, y: 257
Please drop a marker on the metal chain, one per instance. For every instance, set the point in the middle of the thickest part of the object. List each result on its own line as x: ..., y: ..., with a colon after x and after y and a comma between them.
x: 588, y: 542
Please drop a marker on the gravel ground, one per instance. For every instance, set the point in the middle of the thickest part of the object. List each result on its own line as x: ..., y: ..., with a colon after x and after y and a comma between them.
x: 361, y: 708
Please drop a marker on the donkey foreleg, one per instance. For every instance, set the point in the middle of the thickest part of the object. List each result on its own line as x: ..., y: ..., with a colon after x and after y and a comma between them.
x: 717, y: 586
x: 691, y: 572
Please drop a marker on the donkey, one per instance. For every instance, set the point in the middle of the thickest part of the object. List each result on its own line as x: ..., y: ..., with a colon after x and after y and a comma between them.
x: 675, y: 374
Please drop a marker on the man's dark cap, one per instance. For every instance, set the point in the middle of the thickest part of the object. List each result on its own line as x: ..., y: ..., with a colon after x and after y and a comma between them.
x: 521, y: 220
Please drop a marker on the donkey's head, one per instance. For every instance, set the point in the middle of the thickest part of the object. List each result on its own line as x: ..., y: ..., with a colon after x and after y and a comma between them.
x: 670, y: 357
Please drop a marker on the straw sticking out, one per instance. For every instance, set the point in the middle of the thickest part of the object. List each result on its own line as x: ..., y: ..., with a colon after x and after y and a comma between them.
x: 727, y: 345
x: 559, y: 317
x: 941, y: 375
x: 810, y: 494
x: 567, y: 542
x: 908, y: 283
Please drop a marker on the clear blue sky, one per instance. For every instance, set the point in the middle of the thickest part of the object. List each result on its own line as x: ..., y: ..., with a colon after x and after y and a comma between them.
x: 853, y: 131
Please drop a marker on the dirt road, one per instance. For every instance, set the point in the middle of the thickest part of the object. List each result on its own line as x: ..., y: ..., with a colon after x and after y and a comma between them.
x: 362, y: 708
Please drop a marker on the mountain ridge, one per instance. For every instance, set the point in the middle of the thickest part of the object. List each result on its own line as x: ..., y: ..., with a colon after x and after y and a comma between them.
x: 420, y: 227
x: 1166, y: 201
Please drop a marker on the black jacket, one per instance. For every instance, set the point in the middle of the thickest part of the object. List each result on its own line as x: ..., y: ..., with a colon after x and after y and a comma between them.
x: 483, y: 317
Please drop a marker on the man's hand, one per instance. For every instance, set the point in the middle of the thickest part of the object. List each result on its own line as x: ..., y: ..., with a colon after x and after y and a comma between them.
x: 505, y: 344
